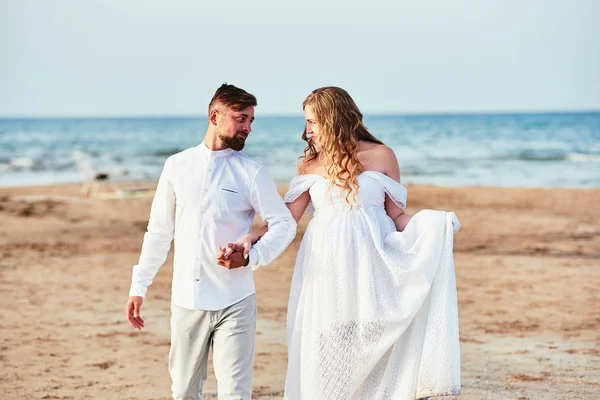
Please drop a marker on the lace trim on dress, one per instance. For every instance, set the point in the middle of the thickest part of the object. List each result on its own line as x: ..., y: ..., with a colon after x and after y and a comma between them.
x: 395, y: 190
x: 299, y: 185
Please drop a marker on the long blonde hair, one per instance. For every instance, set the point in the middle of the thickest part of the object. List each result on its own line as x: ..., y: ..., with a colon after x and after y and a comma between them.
x: 340, y: 130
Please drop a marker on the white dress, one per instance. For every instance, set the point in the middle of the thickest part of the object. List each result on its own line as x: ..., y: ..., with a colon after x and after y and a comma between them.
x: 372, y: 312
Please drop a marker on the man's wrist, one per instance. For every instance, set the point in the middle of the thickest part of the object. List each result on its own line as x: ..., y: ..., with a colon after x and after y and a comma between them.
x: 253, y: 258
x: 137, y: 290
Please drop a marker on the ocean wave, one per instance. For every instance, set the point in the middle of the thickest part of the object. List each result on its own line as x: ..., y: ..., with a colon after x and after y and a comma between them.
x: 538, y: 156
x: 22, y: 162
x: 556, y: 156
x: 467, y: 156
x: 414, y: 170
x: 583, y: 157
x: 543, y: 155
x: 166, y: 152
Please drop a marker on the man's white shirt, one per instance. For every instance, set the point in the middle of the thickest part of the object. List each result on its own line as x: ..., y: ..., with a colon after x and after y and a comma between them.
x: 204, y: 200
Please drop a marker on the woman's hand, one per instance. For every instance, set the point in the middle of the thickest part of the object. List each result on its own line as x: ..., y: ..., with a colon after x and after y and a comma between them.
x: 246, y: 241
x: 401, y: 221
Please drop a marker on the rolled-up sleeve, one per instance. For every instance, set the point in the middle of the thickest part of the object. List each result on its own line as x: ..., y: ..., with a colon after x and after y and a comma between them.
x: 270, y: 207
x: 158, y: 238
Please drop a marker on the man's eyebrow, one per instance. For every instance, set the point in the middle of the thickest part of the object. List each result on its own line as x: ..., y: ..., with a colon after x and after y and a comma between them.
x: 244, y: 115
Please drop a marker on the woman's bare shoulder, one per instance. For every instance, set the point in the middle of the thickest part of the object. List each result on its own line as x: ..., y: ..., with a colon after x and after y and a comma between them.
x: 308, y: 167
x: 379, y: 157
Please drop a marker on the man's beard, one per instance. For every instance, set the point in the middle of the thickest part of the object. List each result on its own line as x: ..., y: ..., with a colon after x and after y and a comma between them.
x: 235, y: 143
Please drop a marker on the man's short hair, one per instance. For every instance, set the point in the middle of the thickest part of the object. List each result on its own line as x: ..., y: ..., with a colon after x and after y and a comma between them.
x: 232, y: 97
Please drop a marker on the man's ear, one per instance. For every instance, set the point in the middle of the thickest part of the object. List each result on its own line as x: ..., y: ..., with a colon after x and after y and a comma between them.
x: 213, y: 117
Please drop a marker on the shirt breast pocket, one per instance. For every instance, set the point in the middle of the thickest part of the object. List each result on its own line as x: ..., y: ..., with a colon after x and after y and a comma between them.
x: 231, y: 201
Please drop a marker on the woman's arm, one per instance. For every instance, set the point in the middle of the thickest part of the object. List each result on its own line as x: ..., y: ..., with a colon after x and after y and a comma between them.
x: 297, y: 208
x: 392, y: 169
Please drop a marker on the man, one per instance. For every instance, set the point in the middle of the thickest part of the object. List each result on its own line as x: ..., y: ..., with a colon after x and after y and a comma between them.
x: 206, y: 198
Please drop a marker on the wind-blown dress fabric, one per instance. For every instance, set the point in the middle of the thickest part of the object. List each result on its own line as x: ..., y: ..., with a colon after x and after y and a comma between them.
x: 372, y: 312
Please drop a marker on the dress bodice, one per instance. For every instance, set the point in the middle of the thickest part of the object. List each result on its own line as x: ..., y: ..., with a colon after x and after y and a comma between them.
x: 373, y: 186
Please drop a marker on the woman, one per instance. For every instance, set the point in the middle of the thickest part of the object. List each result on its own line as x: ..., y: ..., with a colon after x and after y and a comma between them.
x: 372, y: 312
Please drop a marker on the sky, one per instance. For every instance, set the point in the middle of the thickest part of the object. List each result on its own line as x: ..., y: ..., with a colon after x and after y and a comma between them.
x: 78, y: 58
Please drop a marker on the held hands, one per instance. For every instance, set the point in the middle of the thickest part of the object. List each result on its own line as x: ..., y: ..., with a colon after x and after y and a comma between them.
x: 245, y: 242
x: 132, y: 312
x: 242, y: 247
x: 233, y: 256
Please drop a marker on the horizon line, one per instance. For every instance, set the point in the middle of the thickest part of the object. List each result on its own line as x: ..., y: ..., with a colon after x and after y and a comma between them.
x: 289, y: 115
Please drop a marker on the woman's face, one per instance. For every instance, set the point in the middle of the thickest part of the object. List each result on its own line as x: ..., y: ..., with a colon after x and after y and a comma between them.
x: 312, y: 128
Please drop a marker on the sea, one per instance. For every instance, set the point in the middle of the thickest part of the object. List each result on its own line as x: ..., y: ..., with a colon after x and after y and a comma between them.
x: 509, y: 150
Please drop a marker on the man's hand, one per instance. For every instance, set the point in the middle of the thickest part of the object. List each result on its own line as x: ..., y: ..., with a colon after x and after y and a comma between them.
x: 232, y: 256
x: 132, y: 311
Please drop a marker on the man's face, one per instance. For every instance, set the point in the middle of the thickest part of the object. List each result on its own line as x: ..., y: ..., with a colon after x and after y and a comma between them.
x: 235, y: 126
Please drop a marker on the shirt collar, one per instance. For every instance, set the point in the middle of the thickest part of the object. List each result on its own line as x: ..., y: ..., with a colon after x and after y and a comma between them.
x: 214, y: 153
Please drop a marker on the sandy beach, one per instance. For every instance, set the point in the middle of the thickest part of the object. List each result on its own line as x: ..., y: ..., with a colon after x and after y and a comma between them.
x: 527, y: 266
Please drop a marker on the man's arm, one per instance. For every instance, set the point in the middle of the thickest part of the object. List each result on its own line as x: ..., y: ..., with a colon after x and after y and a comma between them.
x: 281, y: 225
x: 156, y: 245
